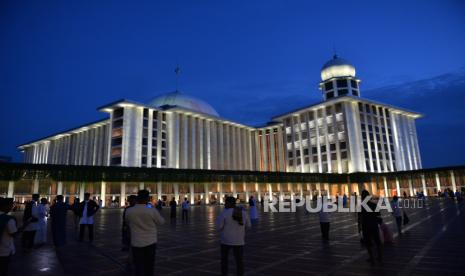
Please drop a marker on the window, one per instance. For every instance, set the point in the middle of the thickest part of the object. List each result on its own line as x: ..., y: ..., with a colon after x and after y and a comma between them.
x: 315, y: 159
x: 154, y: 125
x: 163, y: 117
x: 341, y: 83
x: 118, y: 123
x: 163, y: 135
x: 343, y: 154
x: 144, y: 160
x: 306, y: 160
x: 116, y: 161
x: 289, y: 138
x: 343, y: 145
x: 290, y: 154
x: 146, y: 112
x: 116, y: 141
x: 291, y: 163
x: 323, y: 148
x: 163, y: 162
x: 154, y: 152
x: 360, y: 107
x: 154, y: 161
x: 306, y: 151
x: 146, y: 123
x: 343, y: 92
x: 118, y: 113
x: 353, y: 83
x: 333, y: 156
x: 329, y: 85
x: 163, y: 144
x: 144, y: 141
x: 355, y: 93
x: 314, y: 150
x: 304, y: 135
x: 163, y: 153
x: 154, y: 134
x: 332, y: 147
x: 338, y: 108
x: 330, y: 95
x: 297, y: 153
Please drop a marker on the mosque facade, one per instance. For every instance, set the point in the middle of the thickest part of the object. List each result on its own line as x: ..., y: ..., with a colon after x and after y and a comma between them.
x: 343, y: 133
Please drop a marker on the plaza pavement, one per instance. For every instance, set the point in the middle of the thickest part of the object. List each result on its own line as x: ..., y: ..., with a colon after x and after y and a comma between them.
x: 278, y: 244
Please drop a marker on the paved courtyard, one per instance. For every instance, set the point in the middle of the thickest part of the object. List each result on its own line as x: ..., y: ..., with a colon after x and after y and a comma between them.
x: 279, y: 244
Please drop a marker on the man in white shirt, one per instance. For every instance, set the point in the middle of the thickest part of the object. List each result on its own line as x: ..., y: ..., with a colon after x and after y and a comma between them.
x: 87, y: 210
x: 7, y: 229
x: 185, y: 209
x: 143, y: 222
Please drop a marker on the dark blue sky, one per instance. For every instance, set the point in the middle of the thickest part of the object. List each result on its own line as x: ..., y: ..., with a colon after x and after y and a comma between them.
x: 60, y: 60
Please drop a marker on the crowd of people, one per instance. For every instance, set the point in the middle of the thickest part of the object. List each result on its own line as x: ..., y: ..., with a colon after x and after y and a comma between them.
x: 141, y: 220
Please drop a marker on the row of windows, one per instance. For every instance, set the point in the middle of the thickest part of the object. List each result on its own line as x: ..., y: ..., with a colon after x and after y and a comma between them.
x: 373, y: 109
x: 310, y: 116
x: 341, y: 92
x: 341, y: 84
x: 382, y: 166
x: 324, y: 158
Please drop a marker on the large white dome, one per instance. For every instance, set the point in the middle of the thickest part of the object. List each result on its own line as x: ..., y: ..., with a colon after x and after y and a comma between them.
x: 182, y: 100
x: 337, y: 67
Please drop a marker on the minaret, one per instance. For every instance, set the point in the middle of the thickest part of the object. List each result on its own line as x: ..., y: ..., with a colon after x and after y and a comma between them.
x: 338, y: 79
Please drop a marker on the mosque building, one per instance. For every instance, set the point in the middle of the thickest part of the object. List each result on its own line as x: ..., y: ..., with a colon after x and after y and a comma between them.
x: 342, y: 134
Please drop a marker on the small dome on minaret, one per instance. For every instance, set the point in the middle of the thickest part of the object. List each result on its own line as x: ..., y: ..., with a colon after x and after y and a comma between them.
x: 337, y: 67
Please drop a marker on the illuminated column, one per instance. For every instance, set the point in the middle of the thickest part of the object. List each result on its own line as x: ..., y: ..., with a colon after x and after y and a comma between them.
x: 386, y: 191
x: 452, y: 180
x: 122, y: 198
x: 35, y: 188
x: 220, y: 189
x: 11, y: 187
x: 234, y: 191
x: 270, y: 191
x: 82, y: 189
x: 103, y: 191
x: 398, y: 187
x: 191, y: 192
x: 291, y: 190
x: 301, y: 191
x: 423, y: 184
x: 141, y: 185
x: 59, y: 188
x: 176, y: 191
x: 259, y: 193
x: 328, y: 192
x: 280, y: 189
x: 438, y: 183
x: 159, y: 190
x: 247, y: 195
x: 207, y: 193
x: 318, y: 189
x: 410, y: 186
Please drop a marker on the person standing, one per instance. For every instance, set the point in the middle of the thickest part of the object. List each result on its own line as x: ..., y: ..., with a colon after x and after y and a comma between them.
x: 370, y: 229
x: 143, y: 223
x: 58, y: 213
x: 173, y: 205
x: 253, y: 208
x: 185, y: 209
x: 8, y: 229
x: 324, y: 224
x: 126, y: 234
x: 87, y: 210
x: 30, y: 222
x: 232, y: 222
x: 75, y: 207
x: 41, y: 234
x: 159, y: 205
x: 397, y: 213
